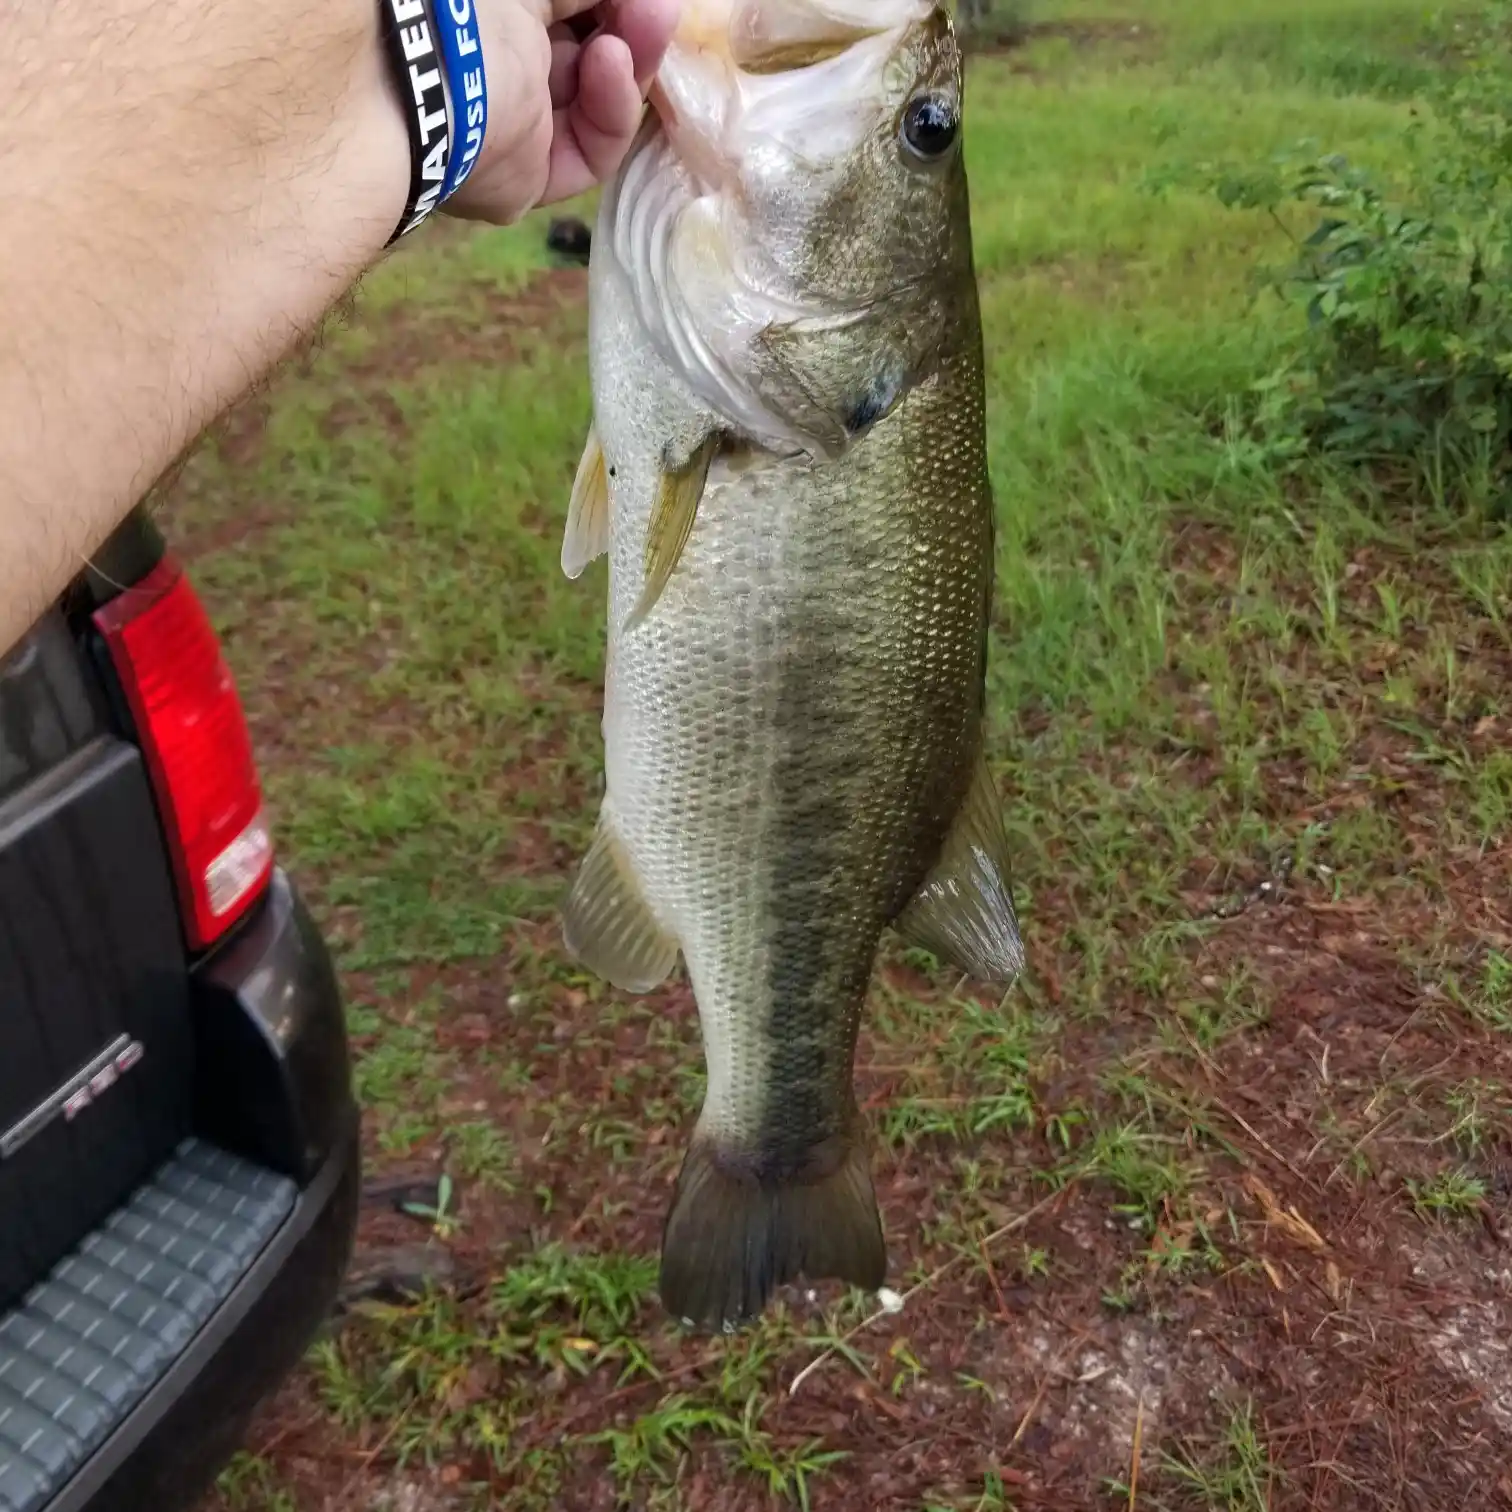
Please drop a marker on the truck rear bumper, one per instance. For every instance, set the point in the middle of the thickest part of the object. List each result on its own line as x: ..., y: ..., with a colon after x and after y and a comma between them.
x: 273, y: 1078
x: 127, y: 1377
x: 168, y: 1448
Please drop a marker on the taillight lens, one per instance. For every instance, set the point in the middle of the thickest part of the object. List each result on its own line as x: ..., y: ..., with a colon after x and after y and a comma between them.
x: 194, y: 736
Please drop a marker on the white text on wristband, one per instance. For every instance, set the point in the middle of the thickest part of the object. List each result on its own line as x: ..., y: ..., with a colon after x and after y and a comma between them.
x: 410, y: 35
x: 457, y: 26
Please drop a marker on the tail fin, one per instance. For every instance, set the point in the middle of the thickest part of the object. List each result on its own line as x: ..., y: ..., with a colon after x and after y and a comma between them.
x: 732, y: 1239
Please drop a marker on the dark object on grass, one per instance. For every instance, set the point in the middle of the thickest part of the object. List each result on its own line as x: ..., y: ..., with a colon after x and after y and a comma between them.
x: 992, y: 25
x: 403, y: 1194
x: 398, y: 1274
x: 570, y: 239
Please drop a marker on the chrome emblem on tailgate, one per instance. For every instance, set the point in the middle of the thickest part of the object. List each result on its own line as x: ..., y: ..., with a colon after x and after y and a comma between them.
x: 76, y: 1094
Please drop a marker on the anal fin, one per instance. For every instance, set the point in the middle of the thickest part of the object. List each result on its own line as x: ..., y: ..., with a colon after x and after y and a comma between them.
x: 964, y: 913
x: 608, y: 925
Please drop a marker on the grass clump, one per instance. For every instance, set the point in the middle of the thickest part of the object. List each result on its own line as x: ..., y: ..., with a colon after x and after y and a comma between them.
x: 1238, y: 1477
x: 1448, y: 1195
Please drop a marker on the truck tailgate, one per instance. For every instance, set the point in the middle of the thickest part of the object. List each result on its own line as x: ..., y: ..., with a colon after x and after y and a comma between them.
x: 95, y: 1038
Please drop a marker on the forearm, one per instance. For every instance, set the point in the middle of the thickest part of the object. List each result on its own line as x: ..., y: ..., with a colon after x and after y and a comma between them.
x: 189, y: 188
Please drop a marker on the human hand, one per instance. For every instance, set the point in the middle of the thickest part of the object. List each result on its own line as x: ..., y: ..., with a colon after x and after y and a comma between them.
x: 567, y: 83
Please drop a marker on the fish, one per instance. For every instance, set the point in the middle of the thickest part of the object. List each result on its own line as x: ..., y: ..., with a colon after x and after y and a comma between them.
x: 786, y: 469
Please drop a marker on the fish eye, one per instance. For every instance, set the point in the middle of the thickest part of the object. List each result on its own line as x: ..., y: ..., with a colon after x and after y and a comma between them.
x: 931, y: 124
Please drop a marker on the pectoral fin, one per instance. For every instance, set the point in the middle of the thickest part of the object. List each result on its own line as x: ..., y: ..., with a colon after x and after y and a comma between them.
x: 677, y: 500
x: 964, y: 913
x: 588, y: 515
x: 609, y: 926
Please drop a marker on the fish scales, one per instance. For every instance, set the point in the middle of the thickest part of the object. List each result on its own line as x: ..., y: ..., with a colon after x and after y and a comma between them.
x: 794, y: 714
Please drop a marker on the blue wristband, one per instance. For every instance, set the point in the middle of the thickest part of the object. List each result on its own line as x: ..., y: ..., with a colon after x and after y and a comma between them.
x: 462, y: 54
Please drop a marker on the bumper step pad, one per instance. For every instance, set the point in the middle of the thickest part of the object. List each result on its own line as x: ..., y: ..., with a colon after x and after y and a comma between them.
x: 85, y: 1345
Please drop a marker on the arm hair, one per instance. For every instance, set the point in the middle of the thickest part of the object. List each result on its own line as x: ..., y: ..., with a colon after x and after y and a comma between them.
x: 189, y: 189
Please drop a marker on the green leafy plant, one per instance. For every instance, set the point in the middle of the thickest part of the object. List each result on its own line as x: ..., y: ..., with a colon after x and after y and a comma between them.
x: 440, y: 1214
x: 1406, y: 366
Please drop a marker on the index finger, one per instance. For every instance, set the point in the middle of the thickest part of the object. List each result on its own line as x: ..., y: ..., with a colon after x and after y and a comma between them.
x: 645, y: 26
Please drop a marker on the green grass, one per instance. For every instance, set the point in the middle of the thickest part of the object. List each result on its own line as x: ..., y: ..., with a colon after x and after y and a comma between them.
x: 1450, y: 1194
x: 1237, y: 1477
x: 250, y: 1484
x: 1488, y: 1000
x: 1252, y: 735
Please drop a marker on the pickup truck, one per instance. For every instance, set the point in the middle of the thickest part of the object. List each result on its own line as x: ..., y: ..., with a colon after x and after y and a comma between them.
x: 179, y: 1141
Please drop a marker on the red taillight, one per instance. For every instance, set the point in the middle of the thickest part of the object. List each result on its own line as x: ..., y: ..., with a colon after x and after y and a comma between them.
x: 194, y: 737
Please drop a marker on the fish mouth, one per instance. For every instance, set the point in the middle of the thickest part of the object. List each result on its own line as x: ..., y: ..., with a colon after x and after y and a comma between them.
x: 760, y: 92
x: 733, y: 66
x: 778, y: 36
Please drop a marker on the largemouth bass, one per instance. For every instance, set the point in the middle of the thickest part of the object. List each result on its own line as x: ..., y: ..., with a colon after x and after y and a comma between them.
x: 788, y: 472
